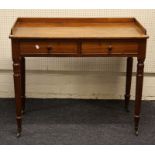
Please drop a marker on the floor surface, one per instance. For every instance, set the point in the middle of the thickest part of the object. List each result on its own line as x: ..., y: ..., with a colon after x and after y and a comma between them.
x: 75, y: 121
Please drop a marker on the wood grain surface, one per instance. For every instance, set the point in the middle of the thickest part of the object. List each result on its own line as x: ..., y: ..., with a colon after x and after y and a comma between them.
x: 78, y: 28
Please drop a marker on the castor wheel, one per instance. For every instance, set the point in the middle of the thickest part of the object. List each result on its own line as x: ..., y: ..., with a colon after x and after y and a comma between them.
x: 23, y: 112
x: 136, y: 132
x: 18, y: 134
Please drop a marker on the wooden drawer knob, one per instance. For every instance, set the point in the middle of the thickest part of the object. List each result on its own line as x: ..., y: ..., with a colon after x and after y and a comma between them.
x: 49, y: 48
x: 109, y: 47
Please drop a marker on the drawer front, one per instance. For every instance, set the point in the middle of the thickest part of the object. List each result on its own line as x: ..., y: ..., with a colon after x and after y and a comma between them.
x: 48, y: 47
x: 109, y: 47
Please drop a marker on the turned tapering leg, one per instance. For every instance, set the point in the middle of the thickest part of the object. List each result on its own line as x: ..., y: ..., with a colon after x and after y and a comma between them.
x: 17, y: 87
x: 139, y: 87
x: 128, y: 81
x: 23, y: 83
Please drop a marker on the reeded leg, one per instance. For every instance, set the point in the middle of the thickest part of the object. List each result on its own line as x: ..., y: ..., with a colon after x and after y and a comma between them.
x: 139, y: 87
x: 128, y: 81
x: 23, y: 83
x: 17, y: 87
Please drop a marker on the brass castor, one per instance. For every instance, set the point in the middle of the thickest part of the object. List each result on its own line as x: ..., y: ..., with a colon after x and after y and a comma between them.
x: 136, y: 132
x: 18, y: 134
x: 23, y: 112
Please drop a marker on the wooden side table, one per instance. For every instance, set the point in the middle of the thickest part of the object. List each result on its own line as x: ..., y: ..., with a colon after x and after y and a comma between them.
x: 78, y: 37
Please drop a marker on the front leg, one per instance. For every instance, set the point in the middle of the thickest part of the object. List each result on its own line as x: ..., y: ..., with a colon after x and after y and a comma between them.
x: 139, y: 87
x: 17, y: 87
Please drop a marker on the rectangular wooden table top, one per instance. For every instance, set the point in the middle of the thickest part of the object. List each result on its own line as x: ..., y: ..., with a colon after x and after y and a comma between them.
x: 78, y: 28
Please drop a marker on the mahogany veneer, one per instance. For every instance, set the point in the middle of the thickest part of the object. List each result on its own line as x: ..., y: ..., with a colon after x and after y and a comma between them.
x: 78, y: 37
